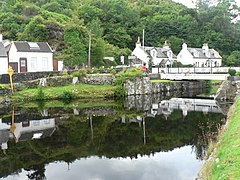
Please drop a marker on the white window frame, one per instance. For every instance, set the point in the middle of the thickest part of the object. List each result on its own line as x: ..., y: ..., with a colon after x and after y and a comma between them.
x: 34, y: 63
x: 45, y: 63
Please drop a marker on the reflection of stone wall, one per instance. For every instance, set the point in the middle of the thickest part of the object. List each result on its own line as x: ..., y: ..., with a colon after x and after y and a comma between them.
x: 144, y: 86
x: 99, y: 111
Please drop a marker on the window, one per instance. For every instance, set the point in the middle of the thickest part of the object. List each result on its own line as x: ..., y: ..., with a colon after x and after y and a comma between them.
x: 153, y: 53
x: 44, y: 62
x: 33, y: 45
x: 34, y: 63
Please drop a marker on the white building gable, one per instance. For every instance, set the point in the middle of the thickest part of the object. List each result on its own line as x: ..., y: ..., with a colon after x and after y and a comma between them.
x: 199, y: 57
x: 3, y: 58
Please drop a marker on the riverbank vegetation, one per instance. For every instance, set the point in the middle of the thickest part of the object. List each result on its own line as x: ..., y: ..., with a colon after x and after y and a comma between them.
x: 225, y: 161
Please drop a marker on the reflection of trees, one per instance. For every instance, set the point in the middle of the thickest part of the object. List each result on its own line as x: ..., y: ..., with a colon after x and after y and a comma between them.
x: 111, y: 138
x: 38, y: 172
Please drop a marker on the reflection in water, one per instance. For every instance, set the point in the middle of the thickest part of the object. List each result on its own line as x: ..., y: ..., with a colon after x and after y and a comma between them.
x: 161, y: 166
x: 147, y: 130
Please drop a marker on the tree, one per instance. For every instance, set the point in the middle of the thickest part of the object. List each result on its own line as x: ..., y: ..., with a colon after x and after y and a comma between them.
x: 75, y: 52
x: 35, y: 31
x: 233, y: 59
x: 98, y: 52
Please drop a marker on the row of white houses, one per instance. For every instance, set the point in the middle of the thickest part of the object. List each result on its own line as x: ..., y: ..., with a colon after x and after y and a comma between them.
x: 25, y: 56
x: 164, y: 57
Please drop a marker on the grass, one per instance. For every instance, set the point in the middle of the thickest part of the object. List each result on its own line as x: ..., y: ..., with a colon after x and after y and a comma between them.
x: 80, y: 91
x: 226, y: 161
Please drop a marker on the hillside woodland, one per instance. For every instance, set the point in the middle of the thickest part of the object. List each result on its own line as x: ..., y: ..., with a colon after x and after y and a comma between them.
x: 114, y: 26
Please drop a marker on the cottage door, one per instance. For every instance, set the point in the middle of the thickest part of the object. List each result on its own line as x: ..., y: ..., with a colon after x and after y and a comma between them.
x: 23, y: 64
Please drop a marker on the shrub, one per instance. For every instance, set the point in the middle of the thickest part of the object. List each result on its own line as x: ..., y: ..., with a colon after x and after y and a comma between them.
x: 40, y: 95
x: 232, y: 72
x: 82, y: 73
x: 238, y: 73
x: 64, y: 73
x: 75, y: 74
x: 66, y: 96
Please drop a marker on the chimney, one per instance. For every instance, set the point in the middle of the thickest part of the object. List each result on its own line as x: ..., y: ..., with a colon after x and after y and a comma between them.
x: 138, y: 43
x: 184, y: 46
x: 166, y: 46
x: 205, y: 47
x: 1, y: 38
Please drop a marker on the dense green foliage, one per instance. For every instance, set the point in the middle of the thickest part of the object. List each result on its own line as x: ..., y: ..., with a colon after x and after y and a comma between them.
x: 114, y: 25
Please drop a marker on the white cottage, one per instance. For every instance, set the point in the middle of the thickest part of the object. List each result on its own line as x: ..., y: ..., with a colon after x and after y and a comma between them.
x: 158, y: 56
x: 199, y: 57
x: 30, y: 56
x: 3, y: 58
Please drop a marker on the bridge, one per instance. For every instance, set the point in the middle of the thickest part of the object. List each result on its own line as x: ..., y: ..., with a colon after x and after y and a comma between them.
x: 189, y: 76
x: 193, y: 73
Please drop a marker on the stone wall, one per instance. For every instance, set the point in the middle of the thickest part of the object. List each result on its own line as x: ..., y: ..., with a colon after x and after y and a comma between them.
x: 54, y: 81
x: 98, y: 79
x: 29, y: 76
x: 145, y: 86
x: 228, y: 90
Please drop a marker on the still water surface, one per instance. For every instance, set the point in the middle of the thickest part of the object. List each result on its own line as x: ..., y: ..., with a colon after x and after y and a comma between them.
x: 143, y: 138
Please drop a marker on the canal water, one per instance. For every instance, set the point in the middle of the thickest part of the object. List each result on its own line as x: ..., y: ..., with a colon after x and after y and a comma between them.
x: 143, y: 137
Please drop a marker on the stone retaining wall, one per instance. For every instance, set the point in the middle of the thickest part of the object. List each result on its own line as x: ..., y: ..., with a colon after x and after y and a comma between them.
x: 29, y: 76
x: 228, y: 90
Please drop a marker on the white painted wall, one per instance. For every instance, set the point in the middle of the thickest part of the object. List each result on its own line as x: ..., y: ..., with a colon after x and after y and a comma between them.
x: 3, y: 65
x: 185, y: 57
x: 139, y: 53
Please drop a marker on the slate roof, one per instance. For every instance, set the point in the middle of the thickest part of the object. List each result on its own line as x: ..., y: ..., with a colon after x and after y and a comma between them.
x: 2, y: 50
x: 200, y: 53
x: 161, y: 52
x: 23, y: 46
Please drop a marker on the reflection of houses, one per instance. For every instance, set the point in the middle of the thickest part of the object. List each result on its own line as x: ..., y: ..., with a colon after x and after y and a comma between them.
x: 199, y: 57
x: 155, y: 55
x: 27, y: 127
x: 166, y: 107
x: 34, y: 129
x: 4, y: 135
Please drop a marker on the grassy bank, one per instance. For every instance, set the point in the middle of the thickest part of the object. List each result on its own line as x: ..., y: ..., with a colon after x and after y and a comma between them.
x: 225, y: 163
x: 80, y: 91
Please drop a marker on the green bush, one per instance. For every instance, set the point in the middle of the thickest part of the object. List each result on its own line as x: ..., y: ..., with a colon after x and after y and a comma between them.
x: 82, y: 73
x: 232, y: 72
x: 66, y: 96
x: 64, y: 73
x: 238, y: 73
x: 75, y: 74
x: 40, y: 95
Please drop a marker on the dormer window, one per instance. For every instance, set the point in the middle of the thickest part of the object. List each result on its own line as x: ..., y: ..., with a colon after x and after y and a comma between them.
x: 33, y: 45
x: 196, y: 53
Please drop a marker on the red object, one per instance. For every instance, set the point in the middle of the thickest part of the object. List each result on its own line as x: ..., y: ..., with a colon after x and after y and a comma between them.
x: 144, y: 68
